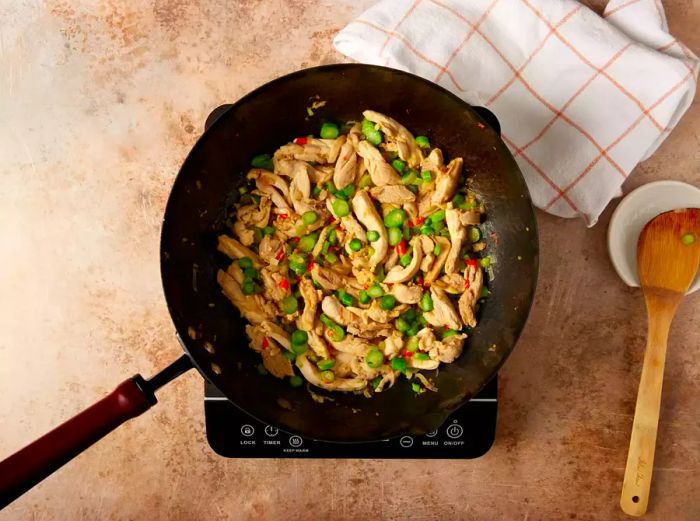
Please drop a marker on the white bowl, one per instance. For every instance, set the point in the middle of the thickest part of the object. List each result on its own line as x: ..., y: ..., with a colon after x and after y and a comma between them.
x: 638, y: 208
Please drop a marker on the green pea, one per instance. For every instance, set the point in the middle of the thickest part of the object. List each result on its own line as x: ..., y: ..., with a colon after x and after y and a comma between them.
x: 395, y: 236
x: 448, y: 333
x: 263, y: 161
x: 374, y: 358
x: 289, y: 305
x: 251, y: 273
x: 412, y: 344
x: 365, y: 181
x: 309, y: 217
x: 331, y: 258
x: 409, y: 177
x: 485, y: 262
x: 409, y: 315
x: 289, y: 355
x: 372, y: 235
x: 371, y: 133
x: 355, y: 244
x: 364, y: 297
x: 296, y: 381
x: 300, y: 349
x: 437, y: 216
x: 401, y: 325
x: 324, y: 248
x: 340, y: 208
x: 426, y: 229
x: 248, y: 288
x: 387, y: 302
x: 474, y: 234
x: 395, y: 218
x: 345, y: 298
x: 405, y: 259
x: 346, y: 193
x: 332, y: 236
x: 426, y: 176
x: 413, y: 330
x: 375, y: 291
x: 421, y: 356
x: 316, y: 191
x: 423, y: 141
x: 245, y: 262
x: 329, y: 131
x: 268, y: 230
x: 299, y: 337
x: 327, y: 376
x: 307, y: 242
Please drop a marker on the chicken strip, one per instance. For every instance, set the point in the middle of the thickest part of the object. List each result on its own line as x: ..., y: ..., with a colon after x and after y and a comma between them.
x: 405, y: 142
x: 380, y: 171
x: 254, y: 308
x: 392, y: 194
x: 311, y: 299
x: 275, y: 362
x: 235, y: 250
x: 447, y: 182
x: 458, y: 233
x: 407, y: 294
x: 443, y: 313
x: 401, y: 274
x: 300, y: 189
x: 313, y: 376
x: 365, y: 211
x: 467, y: 302
x: 346, y: 166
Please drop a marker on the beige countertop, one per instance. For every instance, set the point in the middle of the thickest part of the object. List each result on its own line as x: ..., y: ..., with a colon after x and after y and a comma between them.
x: 99, y: 104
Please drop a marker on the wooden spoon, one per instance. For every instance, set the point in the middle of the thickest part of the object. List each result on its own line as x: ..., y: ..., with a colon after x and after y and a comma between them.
x: 668, y: 252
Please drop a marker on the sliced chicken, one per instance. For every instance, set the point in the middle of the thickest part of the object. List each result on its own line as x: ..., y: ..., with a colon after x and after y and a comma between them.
x: 470, y: 217
x: 449, y: 349
x: 434, y: 162
x: 321, y: 174
x: 235, y: 250
x: 370, y: 331
x: 271, y: 282
x: 345, y: 166
x: 263, y: 178
x: 257, y: 216
x: 434, y: 271
x: 254, y: 308
x: 321, y: 239
x: 400, y: 274
x: 457, y: 235
x: 236, y: 272
x: 407, y: 294
x: 277, y: 198
x: 300, y: 189
x: 376, y: 313
x: 330, y: 280
x: 443, y: 313
x: 387, y: 382
x: 317, y: 343
x: 311, y: 298
x: 452, y: 283
x: 353, y: 227
x: 245, y: 235
x: 379, y: 170
x: 275, y: 362
x: 391, y: 260
x: 427, y: 365
x: 269, y: 247
x: 332, y: 307
x: 447, y: 182
x: 405, y: 142
x: 393, y: 345
x: 336, y: 146
x: 316, y: 150
x: 313, y: 376
x: 278, y: 334
x: 352, y: 345
x: 355, y: 134
x: 365, y: 211
x: 392, y: 194
x: 255, y: 335
x: 467, y: 302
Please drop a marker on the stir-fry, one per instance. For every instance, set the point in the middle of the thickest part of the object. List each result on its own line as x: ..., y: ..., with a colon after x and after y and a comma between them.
x: 354, y: 258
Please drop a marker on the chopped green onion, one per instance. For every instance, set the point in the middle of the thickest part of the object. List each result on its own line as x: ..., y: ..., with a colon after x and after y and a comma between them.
x: 439, y: 226
x: 364, y: 297
x: 395, y: 218
x: 375, y: 291
x: 327, y: 376
x: 421, y: 321
x: 245, y: 262
x: 309, y: 217
x: 296, y: 381
x: 330, y: 187
x: 268, y: 230
x: 405, y: 259
x: 485, y: 292
x: 324, y: 248
x: 423, y: 141
x: 474, y: 234
x: 365, y: 181
x: 409, y: 315
x: 332, y: 236
x: 289, y: 355
x: 331, y: 258
x: 340, y: 208
x: 289, y: 305
x: 376, y: 382
x: 374, y: 358
x: 373, y: 135
x: 485, y: 262
x: 316, y: 191
x: 448, y: 333
x: 395, y: 236
x: 398, y: 364
x: 325, y: 365
x: 412, y: 344
x: 426, y: 229
x: 409, y: 177
x: 379, y: 273
x: 372, y: 235
x: 437, y: 249
x: 346, y: 193
x: 370, y: 251
x: 426, y: 176
x: 437, y: 216
x: 688, y: 239
x: 329, y: 131
x: 387, y: 302
x: 426, y: 302
x: 297, y: 263
x: 406, y: 233
x: 421, y: 356
x: 355, y: 244
x: 248, y: 288
x: 416, y: 387
x: 401, y: 325
x: 263, y: 161
x: 299, y: 337
x: 413, y: 330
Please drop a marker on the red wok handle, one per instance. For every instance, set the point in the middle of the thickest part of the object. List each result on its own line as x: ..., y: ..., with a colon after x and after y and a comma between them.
x: 36, y: 461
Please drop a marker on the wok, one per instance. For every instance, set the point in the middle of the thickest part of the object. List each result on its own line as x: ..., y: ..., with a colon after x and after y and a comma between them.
x: 209, y: 327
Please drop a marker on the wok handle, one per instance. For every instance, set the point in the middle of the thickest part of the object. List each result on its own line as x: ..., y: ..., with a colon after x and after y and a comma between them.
x: 36, y: 461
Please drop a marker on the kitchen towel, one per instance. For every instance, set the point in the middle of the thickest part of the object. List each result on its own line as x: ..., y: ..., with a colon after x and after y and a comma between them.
x: 581, y: 98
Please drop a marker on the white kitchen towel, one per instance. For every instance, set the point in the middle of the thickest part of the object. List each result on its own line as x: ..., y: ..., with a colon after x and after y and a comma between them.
x: 581, y: 98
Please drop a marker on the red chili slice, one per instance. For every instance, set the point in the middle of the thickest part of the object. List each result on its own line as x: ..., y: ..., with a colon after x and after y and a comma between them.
x: 280, y: 255
x: 420, y: 280
x: 301, y: 140
x: 265, y: 343
x: 401, y: 247
x: 420, y: 220
x: 408, y: 354
x: 283, y: 216
x: 472, y: 263
x: 467, y: 283
x: 284, y: 284
x: 310, y: 265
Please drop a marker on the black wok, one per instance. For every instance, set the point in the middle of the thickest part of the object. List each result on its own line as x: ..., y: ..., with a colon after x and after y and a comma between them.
x: 209, y: 327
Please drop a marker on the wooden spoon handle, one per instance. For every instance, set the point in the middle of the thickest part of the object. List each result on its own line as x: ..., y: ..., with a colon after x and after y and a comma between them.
x: 640, y: 458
